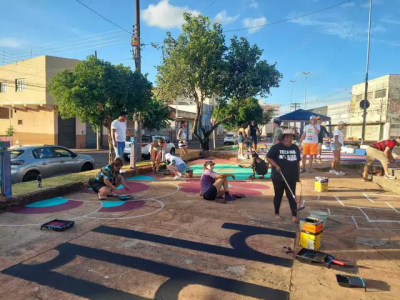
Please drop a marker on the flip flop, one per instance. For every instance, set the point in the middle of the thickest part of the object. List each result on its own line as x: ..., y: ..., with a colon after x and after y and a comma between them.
x: 287, y: 250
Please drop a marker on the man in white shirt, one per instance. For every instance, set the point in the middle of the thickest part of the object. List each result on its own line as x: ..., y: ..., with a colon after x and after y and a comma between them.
x: 119, y: 133
x: 310, y: 145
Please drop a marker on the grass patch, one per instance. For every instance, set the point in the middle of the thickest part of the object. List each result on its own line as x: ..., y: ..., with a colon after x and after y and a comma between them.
x: 23, y: 188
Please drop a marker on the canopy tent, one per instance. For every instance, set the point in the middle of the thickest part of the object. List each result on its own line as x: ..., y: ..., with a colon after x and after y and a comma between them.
x: 302, y: 115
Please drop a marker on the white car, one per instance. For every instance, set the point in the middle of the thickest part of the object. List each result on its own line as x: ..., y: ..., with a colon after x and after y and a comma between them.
x: 229, y: 139
x: 146, y: 143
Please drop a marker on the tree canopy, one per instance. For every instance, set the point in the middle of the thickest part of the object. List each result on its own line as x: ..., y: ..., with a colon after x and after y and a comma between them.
x: 157, y: 115
x: 97, y: 91
x: 198, y: 65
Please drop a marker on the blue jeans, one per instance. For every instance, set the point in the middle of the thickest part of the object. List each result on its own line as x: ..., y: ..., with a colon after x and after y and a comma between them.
x: 119, y: 150
x: 181, y: 167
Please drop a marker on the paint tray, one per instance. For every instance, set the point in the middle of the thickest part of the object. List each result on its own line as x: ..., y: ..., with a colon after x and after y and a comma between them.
x: 58, y: 225
x: 313, y: 257
x: 350, y: 281
x: 125, y: 197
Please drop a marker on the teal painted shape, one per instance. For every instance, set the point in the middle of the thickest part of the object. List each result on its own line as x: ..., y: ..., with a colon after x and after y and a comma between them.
x: 141, y: 177
x: 240, y: 173
x: 49, y: 202
x: 120, y: 187
x: 112, y: 203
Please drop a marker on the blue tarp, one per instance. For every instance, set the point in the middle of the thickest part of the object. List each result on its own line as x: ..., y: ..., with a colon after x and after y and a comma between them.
x: 302, y: 115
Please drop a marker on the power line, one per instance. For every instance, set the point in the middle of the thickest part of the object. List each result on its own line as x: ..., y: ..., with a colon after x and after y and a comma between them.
x: 290, y: 19
x: 344, y: 42
x: 208, y: 6
x: 103, y: 17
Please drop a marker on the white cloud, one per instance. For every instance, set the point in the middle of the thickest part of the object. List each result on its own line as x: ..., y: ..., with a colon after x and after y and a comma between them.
x: 389, y: 21
x: 254, y: 24
x: 348, y: 4
x: 253, y: 3
x: 10, y: 42
x: 165, y: 15
x: 223, y: 18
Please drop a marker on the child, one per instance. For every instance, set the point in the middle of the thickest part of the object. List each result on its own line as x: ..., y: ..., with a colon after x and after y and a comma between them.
x: 156, y: 152
x: 182, y: 144
x: 177, y: 165
x: 240, y: 144
x: 259, y: 166
x: 211, y: 184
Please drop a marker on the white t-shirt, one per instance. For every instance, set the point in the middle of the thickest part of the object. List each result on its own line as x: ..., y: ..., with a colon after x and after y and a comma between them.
x: 182, y: 134
x: 120, y: 130
x: 339, y: 133
x: 311, y: 134
x: 178, y: 161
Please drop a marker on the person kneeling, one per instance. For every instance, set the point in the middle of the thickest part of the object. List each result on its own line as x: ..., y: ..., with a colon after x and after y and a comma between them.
x: 176, y: 166
x: 106, y: 182
x: 211, y: 184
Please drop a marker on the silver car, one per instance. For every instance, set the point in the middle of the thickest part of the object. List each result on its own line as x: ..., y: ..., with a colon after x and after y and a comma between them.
x: 27, y: 162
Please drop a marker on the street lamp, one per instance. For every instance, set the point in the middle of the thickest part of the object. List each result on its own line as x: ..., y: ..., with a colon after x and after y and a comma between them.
x: 305, y: 91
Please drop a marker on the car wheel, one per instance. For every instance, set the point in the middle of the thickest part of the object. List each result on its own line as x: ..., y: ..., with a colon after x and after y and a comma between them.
x: 30, y: 176
x: 87, y: 167
x: 126, y: 157
x: 172, y: 151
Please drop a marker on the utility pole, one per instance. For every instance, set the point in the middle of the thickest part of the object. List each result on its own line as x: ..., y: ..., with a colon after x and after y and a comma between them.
x: 135, y: 42
x: 366, y: 76
x: 295, y: 105
x: 291, y: 93
x: 305, y: 91
x: 98, y: 128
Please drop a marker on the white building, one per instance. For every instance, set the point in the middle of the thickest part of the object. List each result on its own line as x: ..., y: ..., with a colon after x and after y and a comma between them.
x: 268, y: 128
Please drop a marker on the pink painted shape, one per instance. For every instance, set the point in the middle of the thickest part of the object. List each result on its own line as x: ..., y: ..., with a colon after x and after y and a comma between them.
x: 194, y: 188
x: 136, y: 187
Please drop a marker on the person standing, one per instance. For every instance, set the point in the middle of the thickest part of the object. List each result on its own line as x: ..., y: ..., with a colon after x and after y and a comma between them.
x: 277, y: 131
x: 240, y: 145
x: 156, y: 149
x: 119, y: 133
x: 254, y: 130
x: 336, y: 147
x: 285, y: 159
x: 321, y: 136
x: 182, y: 136
x: 382, y: 151
x: 310, y: 146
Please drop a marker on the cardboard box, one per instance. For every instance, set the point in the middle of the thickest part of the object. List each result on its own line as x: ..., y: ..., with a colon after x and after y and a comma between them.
x: 313, y: 225
x: 321, y: 184
x: 310, y: 241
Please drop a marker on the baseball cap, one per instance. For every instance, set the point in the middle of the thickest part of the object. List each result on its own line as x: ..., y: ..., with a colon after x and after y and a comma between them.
x: 312, y: 117
x: 277, y: 121
x: 341, y: 123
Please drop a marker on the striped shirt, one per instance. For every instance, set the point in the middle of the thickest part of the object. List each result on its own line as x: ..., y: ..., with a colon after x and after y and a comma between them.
x: 381, y: 145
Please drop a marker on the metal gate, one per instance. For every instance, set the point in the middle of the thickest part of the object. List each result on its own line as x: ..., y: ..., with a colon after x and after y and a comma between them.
x: 91, y: 141
x: 66, y: 132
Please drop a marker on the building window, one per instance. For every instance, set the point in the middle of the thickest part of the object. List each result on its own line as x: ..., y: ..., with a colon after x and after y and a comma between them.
x: 359, y: 97
x: 20, y: 85
x: 3, y: 87
x: 19, y: 122
x: 380, y: 93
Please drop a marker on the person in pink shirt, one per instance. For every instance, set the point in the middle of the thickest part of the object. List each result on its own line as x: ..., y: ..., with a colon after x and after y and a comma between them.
x: 212, y: 183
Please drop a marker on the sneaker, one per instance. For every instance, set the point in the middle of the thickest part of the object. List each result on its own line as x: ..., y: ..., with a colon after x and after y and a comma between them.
x: 220, y: 200
x: 365, y: 179
x: 340, y: 173
x: 389, y: 177
x: 229, y: 197
x: 332, y: 172
x: 302, y: 170
x: 177, y: 177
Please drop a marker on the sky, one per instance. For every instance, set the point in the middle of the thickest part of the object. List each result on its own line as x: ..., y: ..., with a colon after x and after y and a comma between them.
x: 331, y: 44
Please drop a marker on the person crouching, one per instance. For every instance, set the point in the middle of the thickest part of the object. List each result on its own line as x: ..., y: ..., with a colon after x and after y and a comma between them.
x: 176, y: 166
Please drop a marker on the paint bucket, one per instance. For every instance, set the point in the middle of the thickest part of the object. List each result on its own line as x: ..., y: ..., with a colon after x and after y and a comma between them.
x: 189, y: 173
x: 320, y: 215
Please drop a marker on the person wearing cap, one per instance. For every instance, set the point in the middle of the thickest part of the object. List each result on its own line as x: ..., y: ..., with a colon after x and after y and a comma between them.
x: 212, y: 183
x: 336, y: 145
x: 277, y: 131
x: 119, y: 133
x: 382, y: 151
x: 285, y: 160
x: 182, y: 136
x: 310, y: 145
x: 175, y: 165
x: 321, y: 135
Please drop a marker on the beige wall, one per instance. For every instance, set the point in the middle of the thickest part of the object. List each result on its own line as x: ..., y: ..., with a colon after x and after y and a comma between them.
x: 38, y: 127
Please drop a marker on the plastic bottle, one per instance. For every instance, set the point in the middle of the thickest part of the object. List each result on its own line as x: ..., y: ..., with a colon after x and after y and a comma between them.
x: 39, y: 181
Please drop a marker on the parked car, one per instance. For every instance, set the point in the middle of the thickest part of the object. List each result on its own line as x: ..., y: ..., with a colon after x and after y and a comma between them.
x: 229, y: 139
x: 146, y: 142
x: 27, y: 162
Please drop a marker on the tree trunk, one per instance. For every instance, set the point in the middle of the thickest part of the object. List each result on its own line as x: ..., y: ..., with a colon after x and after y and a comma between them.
x: 205, y: 144
x: 111, y: 152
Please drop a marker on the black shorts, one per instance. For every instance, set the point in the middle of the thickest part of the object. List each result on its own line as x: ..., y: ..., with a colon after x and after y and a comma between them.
x: 254, y: 138
x: 211, y: 194
x: 96, y: 185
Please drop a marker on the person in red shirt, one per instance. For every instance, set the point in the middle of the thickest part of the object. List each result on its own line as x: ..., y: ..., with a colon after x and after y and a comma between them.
x: 382, y: 151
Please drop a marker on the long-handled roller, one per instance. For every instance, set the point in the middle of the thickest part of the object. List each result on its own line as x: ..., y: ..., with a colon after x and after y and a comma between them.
x: 293, y: 195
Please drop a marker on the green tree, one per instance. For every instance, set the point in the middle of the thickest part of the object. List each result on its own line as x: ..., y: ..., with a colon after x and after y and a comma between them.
x: 157, y: 115
x: 197, y: 65
x: 249, y: 111
x: 10, y: 131
x: 96, y: 91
